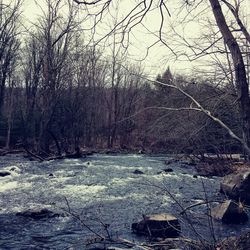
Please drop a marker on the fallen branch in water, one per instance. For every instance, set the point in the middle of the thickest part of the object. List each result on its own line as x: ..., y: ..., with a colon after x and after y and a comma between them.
x: 74, y: 155
x: 34, y: 155
x: 197, y: 204
x: 168, y: 241
x: 4, y: 152
x: 118, y: 241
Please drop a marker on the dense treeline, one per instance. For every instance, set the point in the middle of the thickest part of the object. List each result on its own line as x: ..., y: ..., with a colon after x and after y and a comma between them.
x: 59, y: 93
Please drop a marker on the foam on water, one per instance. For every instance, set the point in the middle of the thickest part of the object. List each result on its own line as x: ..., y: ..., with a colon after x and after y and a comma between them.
x: 11, y: 185
x: 81, y: 189
x: 14, y: 169
x: 8, y: 185
x: 120, y: 181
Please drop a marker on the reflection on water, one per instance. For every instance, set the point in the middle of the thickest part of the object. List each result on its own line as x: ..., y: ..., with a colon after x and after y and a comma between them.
x: 102, y: 189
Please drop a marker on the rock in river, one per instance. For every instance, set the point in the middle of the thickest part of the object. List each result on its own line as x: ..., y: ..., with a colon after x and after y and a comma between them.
x: 4, y: 173
x: 138, y: 172
x: 158, y: 225
x: 237, y: 186
x: 230, y: 212
x: 168, y: 170
x: 11, y: 170
x: 38, y: 213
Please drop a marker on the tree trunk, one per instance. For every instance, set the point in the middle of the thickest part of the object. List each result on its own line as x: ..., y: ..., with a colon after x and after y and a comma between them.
x: 240, y: 71
x: 59, y: 151
x: 7, y: 143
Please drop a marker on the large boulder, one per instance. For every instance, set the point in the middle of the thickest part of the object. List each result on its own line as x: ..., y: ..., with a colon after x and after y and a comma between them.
x: 38, y: 213
x: 237, y: 186
x: 158, y: 225
x: 230, y: 212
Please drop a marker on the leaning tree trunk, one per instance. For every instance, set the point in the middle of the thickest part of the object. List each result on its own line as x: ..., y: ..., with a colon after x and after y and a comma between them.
x: 240, y: 72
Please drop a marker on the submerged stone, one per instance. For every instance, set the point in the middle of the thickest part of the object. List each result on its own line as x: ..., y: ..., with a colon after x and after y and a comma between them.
x: 138, y: 172
x: 158, y: 225
x: 14, y: 169
x: 171, y: 161
x: 168, y: 170
x: 38, y: 213
x: 109, y: 248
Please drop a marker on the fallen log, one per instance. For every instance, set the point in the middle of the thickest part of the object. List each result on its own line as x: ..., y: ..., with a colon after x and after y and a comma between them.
x: 34, y: 155
x: 14, y: 151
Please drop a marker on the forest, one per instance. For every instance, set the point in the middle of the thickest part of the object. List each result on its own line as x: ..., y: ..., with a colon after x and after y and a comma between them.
x: 60, y: 90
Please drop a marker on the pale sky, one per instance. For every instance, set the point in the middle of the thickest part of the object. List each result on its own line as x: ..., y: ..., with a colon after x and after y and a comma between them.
x: 159, y: 56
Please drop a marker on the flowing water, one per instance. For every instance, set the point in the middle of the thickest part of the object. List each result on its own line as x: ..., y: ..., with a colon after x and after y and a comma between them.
x: 100, y: 190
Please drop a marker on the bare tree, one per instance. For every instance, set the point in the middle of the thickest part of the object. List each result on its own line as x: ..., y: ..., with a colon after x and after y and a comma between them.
x: 137, y: 15
x: 9, y: 44
x: 10, y: 109
x: 54, y: 32
x: 32, y: 73
x: 239, y: 68
x: 113, y: 94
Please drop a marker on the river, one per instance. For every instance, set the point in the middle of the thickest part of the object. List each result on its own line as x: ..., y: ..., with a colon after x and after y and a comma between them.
x: 100, y: 190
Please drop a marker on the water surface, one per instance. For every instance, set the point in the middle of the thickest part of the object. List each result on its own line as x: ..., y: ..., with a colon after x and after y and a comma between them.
x: 100, y: 190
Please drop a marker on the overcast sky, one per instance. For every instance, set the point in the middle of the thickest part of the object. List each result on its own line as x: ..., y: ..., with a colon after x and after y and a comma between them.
x: 159, y: 56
